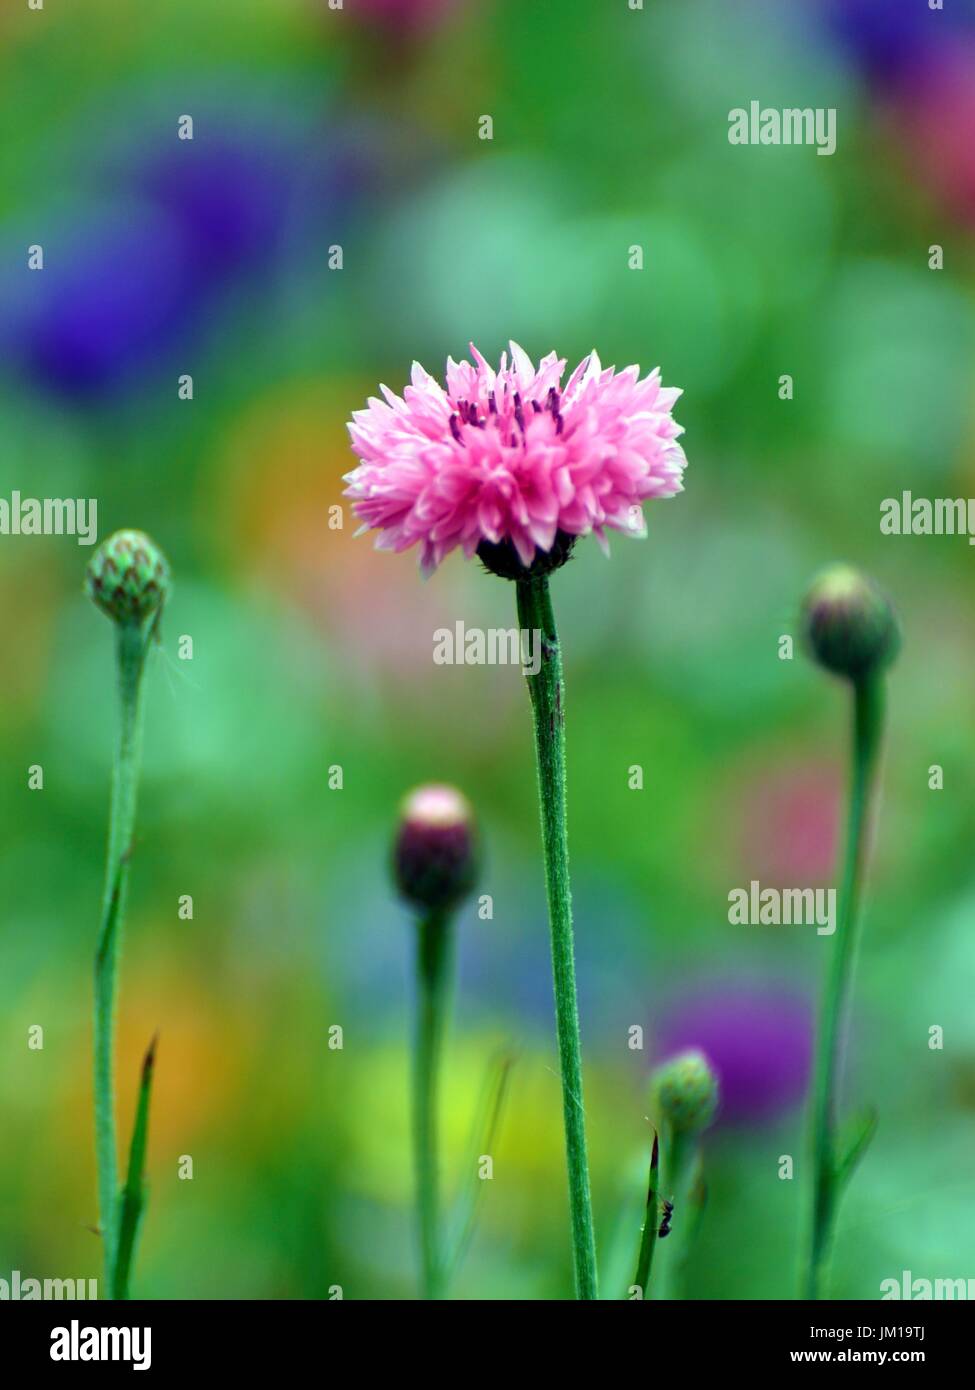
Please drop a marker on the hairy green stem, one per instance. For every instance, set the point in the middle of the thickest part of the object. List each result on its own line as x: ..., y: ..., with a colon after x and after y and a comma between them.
x: 433, y: 960
x: 868, y: 723
x: 132, y: 644
x: 547, y: 698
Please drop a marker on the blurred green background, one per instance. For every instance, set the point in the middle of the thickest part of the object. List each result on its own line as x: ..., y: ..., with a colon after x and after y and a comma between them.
x: 358, y: 128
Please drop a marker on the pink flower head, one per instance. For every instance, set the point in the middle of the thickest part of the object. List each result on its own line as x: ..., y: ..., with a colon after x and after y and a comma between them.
x: 513, y: 455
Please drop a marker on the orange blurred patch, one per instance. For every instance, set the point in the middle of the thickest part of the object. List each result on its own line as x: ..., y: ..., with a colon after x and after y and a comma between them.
x: 29, y: 592
x: 279, y: 473
x: 202, y: 1059
x: 276, y: 509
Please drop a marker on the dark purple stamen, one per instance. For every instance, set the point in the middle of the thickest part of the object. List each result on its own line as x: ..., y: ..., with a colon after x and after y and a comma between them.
x: 552, y: 402
x: 455, y: 427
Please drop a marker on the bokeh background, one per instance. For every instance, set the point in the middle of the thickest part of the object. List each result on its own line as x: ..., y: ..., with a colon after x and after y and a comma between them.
x: 358, y: 128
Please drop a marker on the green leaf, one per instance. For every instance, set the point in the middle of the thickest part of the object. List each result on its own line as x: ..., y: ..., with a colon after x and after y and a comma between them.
x: 852, y: 1143
x: 132, y: 1198
x: 487, y: 1118
x: 651, y: 1223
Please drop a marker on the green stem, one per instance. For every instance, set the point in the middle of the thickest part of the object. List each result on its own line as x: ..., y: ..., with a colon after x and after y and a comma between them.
x: 868, y: 722
x: 132, y: 644
x: 680, y: 1153
x: 434, y: 953
x: 547, y: 698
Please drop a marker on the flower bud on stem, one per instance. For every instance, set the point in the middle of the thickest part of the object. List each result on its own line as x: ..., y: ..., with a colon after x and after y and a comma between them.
x: 128, y: 580
x: 852, y: 631
x: 686, y: 1095
x: 435, y: 860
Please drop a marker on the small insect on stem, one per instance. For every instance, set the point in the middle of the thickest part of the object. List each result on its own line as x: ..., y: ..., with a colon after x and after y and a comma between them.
x: 667, y: 1211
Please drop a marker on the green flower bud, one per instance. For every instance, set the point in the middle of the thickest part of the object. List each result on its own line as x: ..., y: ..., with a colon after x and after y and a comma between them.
x: 686, y: 1091
x: 435, y: 854
x: 128, y: 577
x: 849, y: 624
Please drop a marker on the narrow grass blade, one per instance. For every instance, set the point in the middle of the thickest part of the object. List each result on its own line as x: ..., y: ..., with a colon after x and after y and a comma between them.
x: 108, y: 927
x: 651, y: 1223
x: 487, y: 1118
x: 616, y: 1249
x: 853, y: 1143
x: 132, y: 1199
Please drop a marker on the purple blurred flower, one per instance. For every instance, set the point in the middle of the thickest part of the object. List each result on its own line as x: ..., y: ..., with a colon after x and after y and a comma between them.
x: 113, y: 292
x: 757, y: 1037
x: 122, y: 288
x: 922, y: 64
x: 229, y: 196
x: 250, y: 188
x: 891, y: 39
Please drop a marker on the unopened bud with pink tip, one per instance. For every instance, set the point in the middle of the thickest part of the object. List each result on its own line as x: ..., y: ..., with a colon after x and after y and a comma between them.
x: 435, y: 857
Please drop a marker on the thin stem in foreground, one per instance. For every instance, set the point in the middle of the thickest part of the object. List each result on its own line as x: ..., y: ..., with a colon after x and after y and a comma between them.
x: 829, y: 1166
x: 547, y: 698
x: 132, y: 645
x: 434, y: 953
x: 651, y: 1223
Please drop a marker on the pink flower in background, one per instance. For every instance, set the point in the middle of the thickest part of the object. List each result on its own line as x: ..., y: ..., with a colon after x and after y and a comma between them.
x: 785, y: 823
x: 513, y: 456
x: 400, y: 12
x: 933, y: 121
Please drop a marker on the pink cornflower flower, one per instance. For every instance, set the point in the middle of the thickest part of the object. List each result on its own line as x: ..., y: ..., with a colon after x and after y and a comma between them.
x: 512, y: 466
x: 512, y: 457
